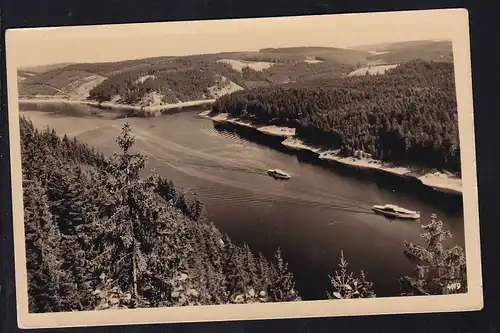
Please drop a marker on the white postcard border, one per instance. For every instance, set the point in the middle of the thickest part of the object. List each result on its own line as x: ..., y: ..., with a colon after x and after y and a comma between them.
x: 452, y: 22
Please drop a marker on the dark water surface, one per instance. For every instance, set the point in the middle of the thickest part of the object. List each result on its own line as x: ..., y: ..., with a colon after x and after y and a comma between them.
x: 311, y: 217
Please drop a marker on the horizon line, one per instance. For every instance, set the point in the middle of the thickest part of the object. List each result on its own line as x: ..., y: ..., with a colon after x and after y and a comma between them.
x: 351, y: 48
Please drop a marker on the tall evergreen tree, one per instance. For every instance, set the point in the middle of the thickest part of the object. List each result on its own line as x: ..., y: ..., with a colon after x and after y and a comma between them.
x: 43, y: 254
x: 439, y: 270
x: 346, y: 285
x: 282, y: 288
x: 123, y: 226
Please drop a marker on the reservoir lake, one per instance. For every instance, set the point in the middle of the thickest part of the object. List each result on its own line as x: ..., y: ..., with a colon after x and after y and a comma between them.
x: 311, y: 217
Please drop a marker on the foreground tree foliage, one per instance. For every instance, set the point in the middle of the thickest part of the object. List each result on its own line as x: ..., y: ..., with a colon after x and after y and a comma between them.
x: 44, y: 259
x: 346, y: 285
x: 99, y: 236
x: 439, y: 271
x: 407, y: 115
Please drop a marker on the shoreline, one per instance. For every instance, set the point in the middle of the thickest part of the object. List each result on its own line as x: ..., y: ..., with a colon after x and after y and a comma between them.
x: 153, y: 110
x: 439, y: 181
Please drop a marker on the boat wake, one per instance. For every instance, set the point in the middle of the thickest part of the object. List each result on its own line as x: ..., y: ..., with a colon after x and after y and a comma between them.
x: 205, y: 166
x: 248, y: 192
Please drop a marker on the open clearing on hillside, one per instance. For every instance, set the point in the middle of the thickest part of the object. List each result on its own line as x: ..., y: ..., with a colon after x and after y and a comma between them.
x: 80, y: 89
x: 374, y: 52
x: 238, y: 65
x: 313, y: 61
x: 144, y: 78
x: 23, y: 76
x: 372, y: 70
x: 228, y: 87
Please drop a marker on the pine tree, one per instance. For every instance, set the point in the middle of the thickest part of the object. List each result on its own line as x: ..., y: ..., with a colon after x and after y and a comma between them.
x: 346, y: 285
x: 236, y: 276
x: 216, y: 281
x: 123, y: 225
x: 43, y: 239
x: 264, y: 271
x: 282, y: 288
x: 439, y: 270
x: 250, y: 264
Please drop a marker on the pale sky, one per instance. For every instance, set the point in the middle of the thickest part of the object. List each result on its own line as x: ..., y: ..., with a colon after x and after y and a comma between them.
x: 134, y: 41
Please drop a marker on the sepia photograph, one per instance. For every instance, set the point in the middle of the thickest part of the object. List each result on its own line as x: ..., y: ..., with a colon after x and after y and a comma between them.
x: 243, y: 169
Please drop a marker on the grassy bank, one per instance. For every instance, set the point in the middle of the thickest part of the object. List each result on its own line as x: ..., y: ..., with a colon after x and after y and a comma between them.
x: 441, y: 181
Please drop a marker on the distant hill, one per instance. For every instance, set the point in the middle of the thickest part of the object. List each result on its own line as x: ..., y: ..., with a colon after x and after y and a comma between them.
x: 398, y: 45
x: 160, y: 80
x: 346, y: 56
x: 44, y: 68
x: 169, y: 79
x: 23, y: 74
x: 429, y: 50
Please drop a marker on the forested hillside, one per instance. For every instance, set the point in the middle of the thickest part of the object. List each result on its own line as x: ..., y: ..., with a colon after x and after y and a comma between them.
x: 168, y: 79
x: 100, y: 235
x: 408, y: 114
x: 174, y: 79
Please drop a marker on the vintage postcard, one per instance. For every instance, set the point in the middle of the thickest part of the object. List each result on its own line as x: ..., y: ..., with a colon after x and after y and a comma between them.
x: 243, y: 169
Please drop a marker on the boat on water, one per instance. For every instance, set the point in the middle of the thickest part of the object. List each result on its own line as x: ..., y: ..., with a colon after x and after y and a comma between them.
x: 279, y: 174
x: 396, y: 211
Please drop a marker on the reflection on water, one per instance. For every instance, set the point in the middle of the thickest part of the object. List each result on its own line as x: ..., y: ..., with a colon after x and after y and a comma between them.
x: 311, y: 217
x: 71, y: 110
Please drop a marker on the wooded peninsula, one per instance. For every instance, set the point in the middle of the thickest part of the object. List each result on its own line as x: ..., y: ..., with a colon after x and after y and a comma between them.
x: 406, y: 115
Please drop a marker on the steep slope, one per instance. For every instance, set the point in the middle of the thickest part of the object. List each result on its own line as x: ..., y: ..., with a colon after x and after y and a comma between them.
x: 85, y: 228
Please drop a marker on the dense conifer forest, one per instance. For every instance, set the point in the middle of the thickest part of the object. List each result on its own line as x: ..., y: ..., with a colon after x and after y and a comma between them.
x: 181, y: 79
x: 407, y: 115
x: 186, y: 79
x: 102, y: 233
